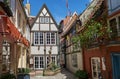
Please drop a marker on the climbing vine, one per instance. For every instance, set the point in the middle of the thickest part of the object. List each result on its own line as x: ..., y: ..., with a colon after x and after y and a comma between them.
x: 94, y: 31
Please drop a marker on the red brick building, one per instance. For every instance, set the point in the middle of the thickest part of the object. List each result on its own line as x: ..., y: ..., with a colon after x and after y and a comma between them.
x: 102, y: 59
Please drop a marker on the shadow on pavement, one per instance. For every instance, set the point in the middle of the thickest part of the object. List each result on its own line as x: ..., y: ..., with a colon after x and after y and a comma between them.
x: 67, y: 74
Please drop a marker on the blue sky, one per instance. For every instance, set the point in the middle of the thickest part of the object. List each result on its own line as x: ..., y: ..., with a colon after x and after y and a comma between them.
x: 58, y: 8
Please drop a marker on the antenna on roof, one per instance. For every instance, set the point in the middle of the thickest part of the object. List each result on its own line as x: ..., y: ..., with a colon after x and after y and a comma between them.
x: 68, y: 9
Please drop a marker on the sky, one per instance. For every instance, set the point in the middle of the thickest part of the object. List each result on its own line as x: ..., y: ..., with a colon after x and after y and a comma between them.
x: 58, y: 8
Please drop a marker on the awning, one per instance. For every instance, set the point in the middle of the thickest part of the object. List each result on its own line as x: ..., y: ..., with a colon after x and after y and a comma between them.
x: 9, y: 28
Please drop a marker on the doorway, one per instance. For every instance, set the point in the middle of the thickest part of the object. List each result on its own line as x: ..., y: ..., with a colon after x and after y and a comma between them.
x: 116, y: 65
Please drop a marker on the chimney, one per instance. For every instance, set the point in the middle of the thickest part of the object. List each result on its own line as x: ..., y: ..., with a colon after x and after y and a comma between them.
x: 28, y: 6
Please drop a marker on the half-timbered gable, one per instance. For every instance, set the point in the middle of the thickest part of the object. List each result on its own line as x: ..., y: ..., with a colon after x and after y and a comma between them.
x: 44, y: 35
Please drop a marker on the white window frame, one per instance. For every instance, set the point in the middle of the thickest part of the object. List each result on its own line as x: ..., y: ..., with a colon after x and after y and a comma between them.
x: 48, y: 40
x: 42, y: 19
x: 95, y: 63
x: 46, y: 19
x: 51, y: 38
x: 36, y: 63
x: 39, y: 37
x: 40, y: 64
x: 47, y: 60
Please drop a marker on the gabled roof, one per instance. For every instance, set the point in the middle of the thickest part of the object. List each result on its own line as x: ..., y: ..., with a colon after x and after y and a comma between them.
x: 44, y: 6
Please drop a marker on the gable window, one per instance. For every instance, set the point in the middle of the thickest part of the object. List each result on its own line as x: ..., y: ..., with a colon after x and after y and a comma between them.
x: 50, y: 38
x: 38, y: 38
x: 41, y: 19
x: 46, y: 19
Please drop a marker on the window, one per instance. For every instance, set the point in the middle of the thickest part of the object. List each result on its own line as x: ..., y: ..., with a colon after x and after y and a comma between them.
x: 113, y: 27
x: 39, y: 62
x: 38, y: 38
x: 12, y: 5
x: 74, y: 60
x: 41, y: 19
x: 119, y: 22
x: 95, y: 65
x: 53, y: 60
x: 19, y: 20
x: 50, y: 38
x: 44, y: 19
x: 36, y: 62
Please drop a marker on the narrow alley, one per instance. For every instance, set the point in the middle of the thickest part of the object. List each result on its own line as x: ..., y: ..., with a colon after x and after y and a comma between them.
x: 64, y: 74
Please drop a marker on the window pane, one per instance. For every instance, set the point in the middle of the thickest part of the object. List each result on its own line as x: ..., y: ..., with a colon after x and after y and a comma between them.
x: 46, y: 19
x: 52, y: 38
x: 36, y: 62
x: 119, y: 22
x: 36, y: 38
x: 48, y: 38
x: 113, y: 27
x: 41, y: 19
x: 74, y: 60
x: 41, y: 37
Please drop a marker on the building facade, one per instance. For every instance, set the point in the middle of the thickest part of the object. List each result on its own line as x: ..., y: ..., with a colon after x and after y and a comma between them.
x: 71, y: 57
x: 101, y: 57
x: 15, y: 36
x: 44, y: 38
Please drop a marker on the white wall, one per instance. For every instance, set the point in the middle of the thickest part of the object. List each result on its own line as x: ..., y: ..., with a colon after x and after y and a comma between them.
x: 40, y: 50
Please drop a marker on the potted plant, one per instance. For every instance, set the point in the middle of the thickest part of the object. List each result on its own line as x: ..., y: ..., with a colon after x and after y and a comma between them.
x: 81, y: 74
x: 7, y: 76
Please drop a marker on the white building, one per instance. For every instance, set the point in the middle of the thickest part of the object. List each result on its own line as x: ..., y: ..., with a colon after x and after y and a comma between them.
x: 44, y: 36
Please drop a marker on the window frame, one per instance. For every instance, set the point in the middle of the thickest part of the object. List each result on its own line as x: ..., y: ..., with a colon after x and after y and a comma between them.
x: 97, y: 65
x: 40, y: 62
x: 39, y: 38
x: 74, y: 60
x: 50, y: 39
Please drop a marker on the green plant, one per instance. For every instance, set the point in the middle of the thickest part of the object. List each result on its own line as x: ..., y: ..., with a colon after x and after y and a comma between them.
x: 24, y: 70
x: 7, y: 76
x: 54, y: 67
x: 93, y: 31
x: 81, y: 74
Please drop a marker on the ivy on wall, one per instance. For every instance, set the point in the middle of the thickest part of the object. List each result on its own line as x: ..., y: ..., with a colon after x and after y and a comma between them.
x: 94, y: 31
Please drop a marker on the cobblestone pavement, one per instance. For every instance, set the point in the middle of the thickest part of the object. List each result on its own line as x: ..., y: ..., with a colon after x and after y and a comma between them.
x: 62, y: 75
